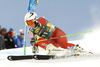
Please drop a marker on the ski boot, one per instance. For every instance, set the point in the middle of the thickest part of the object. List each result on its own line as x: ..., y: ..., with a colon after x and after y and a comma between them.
x: 78, y: 50
x: 35, y: 49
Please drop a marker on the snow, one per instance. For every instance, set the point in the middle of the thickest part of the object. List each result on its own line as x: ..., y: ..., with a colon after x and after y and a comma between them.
x: 49, y: 63
x: 92, y: 61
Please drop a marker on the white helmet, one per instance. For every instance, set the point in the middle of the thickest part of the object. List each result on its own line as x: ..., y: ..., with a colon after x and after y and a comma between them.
x: 30, y: 16
x: 21, y: 31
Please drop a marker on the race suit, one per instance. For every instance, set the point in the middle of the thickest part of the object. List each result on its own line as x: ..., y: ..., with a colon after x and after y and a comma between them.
x: 50, y: 31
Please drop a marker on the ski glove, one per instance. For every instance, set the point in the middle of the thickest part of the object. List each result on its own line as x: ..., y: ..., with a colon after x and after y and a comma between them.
x: 33, y: 40
x: 35, y: 49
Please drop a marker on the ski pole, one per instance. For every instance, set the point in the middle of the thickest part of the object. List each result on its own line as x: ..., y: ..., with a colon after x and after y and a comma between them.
x: 63, y: 36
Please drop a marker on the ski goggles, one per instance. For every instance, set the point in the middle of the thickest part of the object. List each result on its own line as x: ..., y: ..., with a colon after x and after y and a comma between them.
x: 30, y: 22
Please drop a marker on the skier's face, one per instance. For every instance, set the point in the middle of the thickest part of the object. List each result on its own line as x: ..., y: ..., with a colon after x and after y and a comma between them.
x: 32, y: 26
x: 30, y: 23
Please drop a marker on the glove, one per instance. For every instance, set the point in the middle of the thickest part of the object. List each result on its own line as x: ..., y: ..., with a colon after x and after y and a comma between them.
x: 35, y: 49
x: 37, y: 37
x: 33, y: 40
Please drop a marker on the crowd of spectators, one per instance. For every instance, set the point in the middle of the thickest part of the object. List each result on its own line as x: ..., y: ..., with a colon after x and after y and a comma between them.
x: 9, y: 39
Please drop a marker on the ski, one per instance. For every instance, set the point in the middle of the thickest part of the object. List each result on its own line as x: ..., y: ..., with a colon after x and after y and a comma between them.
x: 37, y: 57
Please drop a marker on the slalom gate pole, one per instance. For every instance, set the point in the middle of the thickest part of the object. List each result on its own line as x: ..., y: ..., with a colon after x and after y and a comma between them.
x: 25, y: 33
x: 31, y: 7
x: 63, y: 36
x: 25, y: 40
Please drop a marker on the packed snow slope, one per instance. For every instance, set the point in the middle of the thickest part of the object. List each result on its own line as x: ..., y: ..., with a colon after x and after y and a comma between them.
x: 86, y: 61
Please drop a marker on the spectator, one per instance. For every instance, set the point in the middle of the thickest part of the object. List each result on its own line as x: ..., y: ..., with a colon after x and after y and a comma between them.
x: 3, y: 31
x: 2, y: 42
x: 11, y: 43
x: 4, y: 35
x: 0, y: 29
x: 20, y: 39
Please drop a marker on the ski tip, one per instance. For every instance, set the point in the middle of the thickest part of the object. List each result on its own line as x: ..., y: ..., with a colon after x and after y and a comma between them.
x: 9, y: 58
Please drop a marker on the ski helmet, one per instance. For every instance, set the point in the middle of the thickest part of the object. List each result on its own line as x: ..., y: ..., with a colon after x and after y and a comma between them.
x: 30, y: 16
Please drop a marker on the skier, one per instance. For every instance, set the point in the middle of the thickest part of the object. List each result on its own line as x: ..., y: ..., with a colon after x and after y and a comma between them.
x: 42, y: 29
